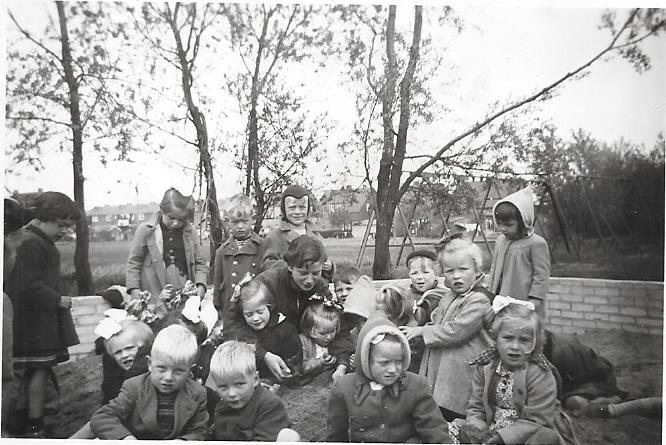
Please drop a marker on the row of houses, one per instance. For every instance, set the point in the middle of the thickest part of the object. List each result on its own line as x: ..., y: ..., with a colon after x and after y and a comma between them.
x: 342, y: 213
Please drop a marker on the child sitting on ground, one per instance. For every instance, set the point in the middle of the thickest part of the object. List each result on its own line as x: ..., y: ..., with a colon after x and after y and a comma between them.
x: 239, y: 254
x: 126, y: 343
x: 381, y: 401
x: 521, y: 260
x: 320, y: 325
x: 344, y: 280
x: 164, y: 403
x: 514, y: 396
x: 424, y: 277
x: 246, y: 411
x: 456, y: 334
x: 275, y: 335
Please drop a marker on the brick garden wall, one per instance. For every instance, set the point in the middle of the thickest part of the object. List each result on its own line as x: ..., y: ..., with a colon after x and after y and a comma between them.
x: 574, y: 305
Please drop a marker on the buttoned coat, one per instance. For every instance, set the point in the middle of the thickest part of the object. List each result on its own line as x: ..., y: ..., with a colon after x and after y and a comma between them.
x: 134, y: 412
x: 145, y: 265
x: 231, y: 265
x: 453, y: 338
x: 534, y: 397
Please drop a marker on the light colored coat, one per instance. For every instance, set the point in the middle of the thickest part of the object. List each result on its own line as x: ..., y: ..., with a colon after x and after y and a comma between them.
x: 520, y: 268
x: 453, y: 338
x: 145, y: 265
x: 535, y: 399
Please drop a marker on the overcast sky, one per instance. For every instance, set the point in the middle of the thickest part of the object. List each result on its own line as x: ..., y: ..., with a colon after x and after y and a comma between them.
x: 504, y: 52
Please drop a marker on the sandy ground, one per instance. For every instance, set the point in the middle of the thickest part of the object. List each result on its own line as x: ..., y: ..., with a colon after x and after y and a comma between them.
x: 637, y: 357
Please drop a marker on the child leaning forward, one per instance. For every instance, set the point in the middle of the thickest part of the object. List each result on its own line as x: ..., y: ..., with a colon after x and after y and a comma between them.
x: 164, y: 403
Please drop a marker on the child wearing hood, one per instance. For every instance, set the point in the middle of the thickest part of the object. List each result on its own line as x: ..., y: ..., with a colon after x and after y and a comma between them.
x: 381, y: 401
x: 295, y: 206
x: 521, y: 260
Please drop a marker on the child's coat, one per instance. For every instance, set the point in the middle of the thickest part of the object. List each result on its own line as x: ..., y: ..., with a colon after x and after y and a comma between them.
x: 520, y: 268
x: 260, y: 420
x: 231, y: 265
x: 403, y: 412
x: 134, y: 412
x: 145, y: 265
x: 453, y: 338
x: 534, y: 397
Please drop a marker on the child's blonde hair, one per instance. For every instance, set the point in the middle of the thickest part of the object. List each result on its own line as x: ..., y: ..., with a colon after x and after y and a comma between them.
x: 139, y: 331
x: 233, y: 359
x: 519, y: 312
x: 177, y: 343
x: 319, y: 314
x: 419, y: 262
x: 240, y: 205
x: 461, y: 245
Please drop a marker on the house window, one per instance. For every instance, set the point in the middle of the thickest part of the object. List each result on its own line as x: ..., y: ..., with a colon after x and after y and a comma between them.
x: 95, y: 218
x: 142, y: 216
x: 107, y: 218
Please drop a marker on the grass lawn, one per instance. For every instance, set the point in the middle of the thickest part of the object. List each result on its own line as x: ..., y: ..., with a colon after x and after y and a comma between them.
x: 108, y: 258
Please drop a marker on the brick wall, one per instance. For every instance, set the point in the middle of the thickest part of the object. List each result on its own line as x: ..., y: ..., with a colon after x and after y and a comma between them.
x: 574, y: 305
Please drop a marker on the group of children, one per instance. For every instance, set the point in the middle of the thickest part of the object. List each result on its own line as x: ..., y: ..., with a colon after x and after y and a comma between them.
x: 479, y: 373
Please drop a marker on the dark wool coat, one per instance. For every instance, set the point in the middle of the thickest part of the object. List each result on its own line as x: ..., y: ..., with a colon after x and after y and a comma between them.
x: 402, y: 412
x: 281, y: 338
x: 583, y: 372
x: 231, y: 265
x: 277, y: 242
x: 34, y: 288
x: 287, y: 297
x: 134, y: 412
x: 260, y: 420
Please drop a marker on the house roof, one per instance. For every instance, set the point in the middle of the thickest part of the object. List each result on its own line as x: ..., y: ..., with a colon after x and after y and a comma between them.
x: 354, y: 199
x: 123, y: 208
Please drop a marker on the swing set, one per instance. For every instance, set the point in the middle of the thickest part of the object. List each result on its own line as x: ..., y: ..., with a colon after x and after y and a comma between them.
x: 546, y: 199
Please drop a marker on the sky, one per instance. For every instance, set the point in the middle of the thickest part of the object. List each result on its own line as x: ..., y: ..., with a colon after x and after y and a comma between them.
x: 503, y: 53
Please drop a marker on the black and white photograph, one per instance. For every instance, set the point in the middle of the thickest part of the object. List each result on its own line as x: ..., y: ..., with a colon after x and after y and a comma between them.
x: 436, y: 222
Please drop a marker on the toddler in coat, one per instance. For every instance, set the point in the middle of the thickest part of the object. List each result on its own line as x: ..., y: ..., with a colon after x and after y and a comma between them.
x: 165, y: 402
x: 456, y: 334
x: 382, y: 401
x: 246, y: 411
x: 521, y: 260
x: 514, y: 397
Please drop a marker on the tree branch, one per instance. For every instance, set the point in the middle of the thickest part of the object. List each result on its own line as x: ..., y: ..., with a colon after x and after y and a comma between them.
x: 405, y: 186
x: 38, y: 118
x: 29, y: 37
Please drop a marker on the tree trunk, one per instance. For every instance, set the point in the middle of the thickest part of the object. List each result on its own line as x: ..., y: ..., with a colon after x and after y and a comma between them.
x: 81, y: 262
x: 199, y: 121
x: 393, y: 153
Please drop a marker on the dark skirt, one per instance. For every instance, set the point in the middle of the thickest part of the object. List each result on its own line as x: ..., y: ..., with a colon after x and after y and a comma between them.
x: 41, y: 359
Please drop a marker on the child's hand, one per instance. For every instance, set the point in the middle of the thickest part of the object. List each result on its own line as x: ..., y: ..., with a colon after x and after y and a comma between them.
x: 130, y: 437
x: 339, y: 372
x: 491, y: 437
x: 327, y: 266
x: 328, y: 359
x: 410, y: 331
x: 65, y: 302
x: 167, y: 293
x: 468, y: 433
x: 276, y: 366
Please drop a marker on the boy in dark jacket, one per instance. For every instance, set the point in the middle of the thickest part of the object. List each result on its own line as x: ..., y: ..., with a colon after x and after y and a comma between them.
x: 239, y: 254
x: 381, y: 401
x: 246, y: 411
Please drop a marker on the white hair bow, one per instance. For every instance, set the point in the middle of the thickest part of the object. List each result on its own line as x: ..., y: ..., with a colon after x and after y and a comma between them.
x: 191, y: 309
x: 500, y: 302
x: 110, y: 326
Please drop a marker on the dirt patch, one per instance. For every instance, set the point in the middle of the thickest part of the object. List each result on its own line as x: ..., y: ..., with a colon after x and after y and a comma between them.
x: 637, y: 357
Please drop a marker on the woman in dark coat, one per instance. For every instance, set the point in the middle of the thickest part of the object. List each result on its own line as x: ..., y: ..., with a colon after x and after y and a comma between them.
x: 43, y: 326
